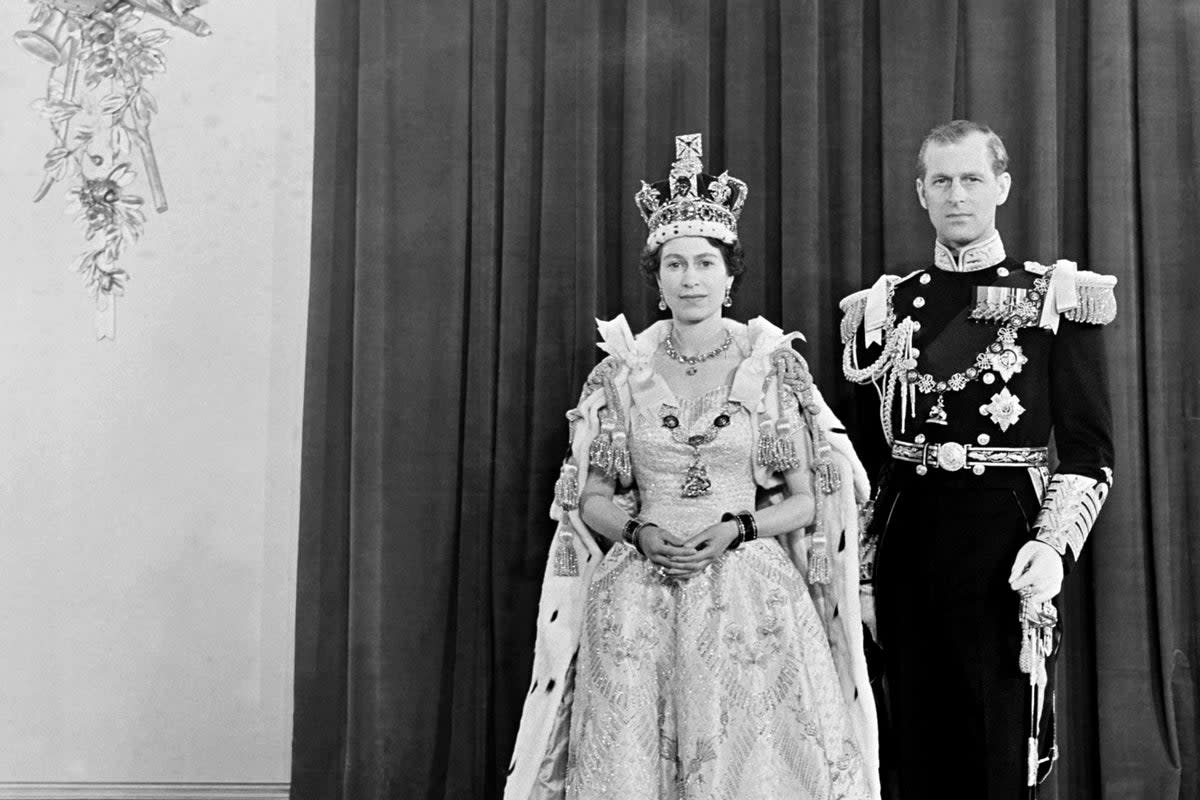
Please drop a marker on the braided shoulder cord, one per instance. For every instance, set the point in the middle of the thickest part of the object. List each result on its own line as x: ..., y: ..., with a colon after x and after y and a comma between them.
x: 608, y: 451
x: 777, y: 449
x: 850, y: 368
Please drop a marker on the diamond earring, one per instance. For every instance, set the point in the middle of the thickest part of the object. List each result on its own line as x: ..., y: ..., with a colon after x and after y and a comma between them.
x: 728, y: 299
x: 662, y: 301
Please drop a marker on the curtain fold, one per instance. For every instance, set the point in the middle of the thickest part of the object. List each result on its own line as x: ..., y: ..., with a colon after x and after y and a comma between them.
x: 475, y: 166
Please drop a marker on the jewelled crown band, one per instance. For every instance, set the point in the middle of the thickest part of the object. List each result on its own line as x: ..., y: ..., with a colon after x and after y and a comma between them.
x: 690, y: 202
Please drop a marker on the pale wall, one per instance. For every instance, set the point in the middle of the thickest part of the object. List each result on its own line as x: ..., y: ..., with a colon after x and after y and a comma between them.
x: 149, y: 487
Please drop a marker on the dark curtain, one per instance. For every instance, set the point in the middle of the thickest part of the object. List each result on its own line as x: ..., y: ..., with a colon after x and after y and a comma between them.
x: 475, y: 166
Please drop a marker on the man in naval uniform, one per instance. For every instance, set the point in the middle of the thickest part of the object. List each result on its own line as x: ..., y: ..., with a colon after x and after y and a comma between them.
x: 976, y: 359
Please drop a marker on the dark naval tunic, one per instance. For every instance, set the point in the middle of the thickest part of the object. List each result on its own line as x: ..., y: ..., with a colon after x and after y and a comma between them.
x: 977, y: 360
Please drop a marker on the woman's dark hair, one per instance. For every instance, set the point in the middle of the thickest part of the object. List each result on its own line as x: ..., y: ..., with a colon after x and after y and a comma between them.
x: 734, y: 255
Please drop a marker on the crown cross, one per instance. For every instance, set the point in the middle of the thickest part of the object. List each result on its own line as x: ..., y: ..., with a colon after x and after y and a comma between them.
x: 688, y: 151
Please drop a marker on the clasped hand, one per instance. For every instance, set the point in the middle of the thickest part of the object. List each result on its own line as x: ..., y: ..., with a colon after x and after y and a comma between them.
x: 682, y: 558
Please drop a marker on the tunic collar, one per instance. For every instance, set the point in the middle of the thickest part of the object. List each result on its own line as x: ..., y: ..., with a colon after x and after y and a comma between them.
x: 987, y: 253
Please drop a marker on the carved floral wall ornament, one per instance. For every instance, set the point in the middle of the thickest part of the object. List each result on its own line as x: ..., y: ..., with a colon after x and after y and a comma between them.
x: 99, y: 110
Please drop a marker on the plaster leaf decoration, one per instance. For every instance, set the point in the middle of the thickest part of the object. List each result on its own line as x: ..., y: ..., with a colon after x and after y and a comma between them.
x: 99, y: 109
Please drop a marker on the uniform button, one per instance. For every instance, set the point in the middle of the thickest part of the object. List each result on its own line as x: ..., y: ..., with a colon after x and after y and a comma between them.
x: 989, y: 378
x: 918, y: 302
x: 925, y: 278
x: 1002, y: 272
x: 920, y: 438
x: 916, y: 325
x: 915, y: 352
x: 983, y: 438
x: 977, y: 469
x: 922, y: 469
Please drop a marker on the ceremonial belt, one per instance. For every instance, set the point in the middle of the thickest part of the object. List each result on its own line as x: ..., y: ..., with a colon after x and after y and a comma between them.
x: 952, y: 456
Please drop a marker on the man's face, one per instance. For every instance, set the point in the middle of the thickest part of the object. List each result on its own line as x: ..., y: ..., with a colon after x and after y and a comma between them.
x: 960, y: 191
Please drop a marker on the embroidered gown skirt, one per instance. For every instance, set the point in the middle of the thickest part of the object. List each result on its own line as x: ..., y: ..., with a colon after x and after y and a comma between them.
x: 720, y: 686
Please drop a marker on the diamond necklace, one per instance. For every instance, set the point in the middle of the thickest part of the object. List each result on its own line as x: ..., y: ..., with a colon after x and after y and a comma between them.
x: 691, y: 361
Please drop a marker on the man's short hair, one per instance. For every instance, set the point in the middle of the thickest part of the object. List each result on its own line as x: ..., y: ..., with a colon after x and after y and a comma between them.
x: 956, y: 131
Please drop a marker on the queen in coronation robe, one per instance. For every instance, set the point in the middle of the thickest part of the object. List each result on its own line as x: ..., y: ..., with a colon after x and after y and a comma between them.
x: 699, y: 633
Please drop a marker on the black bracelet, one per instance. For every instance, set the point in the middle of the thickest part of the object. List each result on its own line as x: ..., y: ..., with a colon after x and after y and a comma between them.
x: 741, y: 530
x: 749, y: 525
x: 631, y: 533
x: 629, y: 529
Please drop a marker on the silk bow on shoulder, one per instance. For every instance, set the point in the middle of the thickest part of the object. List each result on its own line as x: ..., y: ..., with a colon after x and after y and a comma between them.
x: 647, y: 388
x: 1062, y: 296
x: 764, y: 339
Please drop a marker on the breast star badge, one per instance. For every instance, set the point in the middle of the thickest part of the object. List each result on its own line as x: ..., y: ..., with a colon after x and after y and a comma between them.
x: 1005, y: 409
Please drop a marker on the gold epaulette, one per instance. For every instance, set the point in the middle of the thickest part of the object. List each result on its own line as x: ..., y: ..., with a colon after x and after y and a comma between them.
x: 1095, y: 302
x: 1095, y: 297
x: 853, y: 307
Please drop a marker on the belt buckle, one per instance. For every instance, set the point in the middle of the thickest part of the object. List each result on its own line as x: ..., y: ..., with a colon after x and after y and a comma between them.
x: 951, y: 456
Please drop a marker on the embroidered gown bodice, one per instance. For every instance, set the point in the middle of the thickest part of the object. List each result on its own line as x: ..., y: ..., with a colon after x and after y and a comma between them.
x: 661, y: 459
x: 718, y: 687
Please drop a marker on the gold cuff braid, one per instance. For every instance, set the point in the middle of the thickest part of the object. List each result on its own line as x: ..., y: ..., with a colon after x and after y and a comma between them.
x: 1069, y: 511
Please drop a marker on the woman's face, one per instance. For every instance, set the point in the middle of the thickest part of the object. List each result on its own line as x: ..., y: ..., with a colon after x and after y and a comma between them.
x: 693, y: 278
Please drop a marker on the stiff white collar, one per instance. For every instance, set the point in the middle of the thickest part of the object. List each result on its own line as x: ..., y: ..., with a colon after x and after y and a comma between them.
x: 987, y: 253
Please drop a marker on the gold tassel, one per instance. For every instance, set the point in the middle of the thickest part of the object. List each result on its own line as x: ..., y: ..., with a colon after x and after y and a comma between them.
x: 785, y: 454
x: 819, y: 570
x: 622, y: 464
x: 828, y: 477
x: 600, y: 452
x: 566, y: 561
x: 766, y: 445
x: 1026, y: 659
x: 566, y: 488
x: 785, y: 447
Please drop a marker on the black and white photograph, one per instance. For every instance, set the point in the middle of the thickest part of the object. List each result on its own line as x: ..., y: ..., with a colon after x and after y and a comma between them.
x: 612, y: 400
